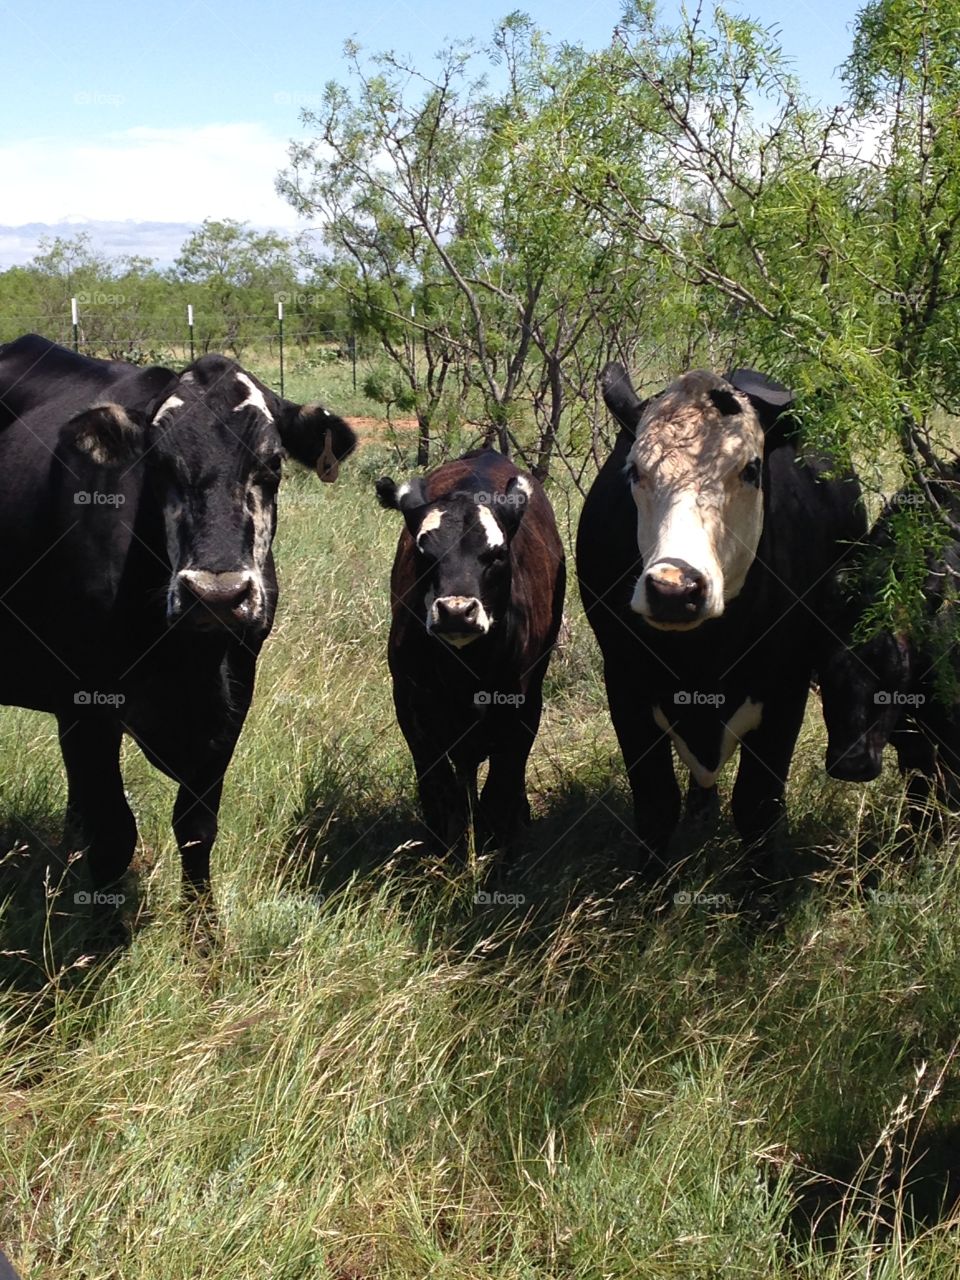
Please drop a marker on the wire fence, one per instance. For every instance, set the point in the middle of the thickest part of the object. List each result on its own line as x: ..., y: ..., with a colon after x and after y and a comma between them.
x: 93, y: 324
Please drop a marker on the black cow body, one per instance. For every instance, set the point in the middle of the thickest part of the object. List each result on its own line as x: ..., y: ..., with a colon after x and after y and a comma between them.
x: 895, y: 687
x: 136, y: 579
x: 740, y: 678
x: 477, y: 591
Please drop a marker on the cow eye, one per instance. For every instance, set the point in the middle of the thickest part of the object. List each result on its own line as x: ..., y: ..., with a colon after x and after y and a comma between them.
x: 751, y: 473
x: 630, y: 471
x: 494, y: 555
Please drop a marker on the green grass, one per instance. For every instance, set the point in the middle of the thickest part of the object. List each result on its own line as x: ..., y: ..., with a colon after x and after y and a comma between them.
x: 373, y: 1076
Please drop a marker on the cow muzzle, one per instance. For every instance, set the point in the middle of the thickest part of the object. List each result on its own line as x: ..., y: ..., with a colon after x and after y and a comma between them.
x: 671, y: 594
x: 216, y: 599
x: 458, y: 619
x: 857, y: 763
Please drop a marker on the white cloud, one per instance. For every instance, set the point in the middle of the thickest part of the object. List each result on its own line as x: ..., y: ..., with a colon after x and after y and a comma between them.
x: 155, y: 175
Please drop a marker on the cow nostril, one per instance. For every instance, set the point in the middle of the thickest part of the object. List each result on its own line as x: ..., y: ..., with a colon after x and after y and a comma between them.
x: 687, y: 584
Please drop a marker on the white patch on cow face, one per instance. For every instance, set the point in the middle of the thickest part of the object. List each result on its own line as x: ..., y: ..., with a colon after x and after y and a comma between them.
x: 428, y: 524
x: 746, y: 718
x: 488, y: 522
x: 262, y: 517
x: 482, y: 621
x: 168, y: 406
x: 254, y: 397
x: 697, y: 504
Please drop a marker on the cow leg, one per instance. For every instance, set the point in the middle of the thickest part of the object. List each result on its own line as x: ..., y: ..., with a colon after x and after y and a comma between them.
x: 195, y: 813
x: 90, y: 746
x: 444, y: 796
x: 504, y: 808
x: 648, y: 757
x: 758, y: 802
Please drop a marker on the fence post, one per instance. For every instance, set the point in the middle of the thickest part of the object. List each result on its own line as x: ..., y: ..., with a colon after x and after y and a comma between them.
x: 190, y: 327
x: 280, y: 321
x: 352, y: 347
x: 75, y: 321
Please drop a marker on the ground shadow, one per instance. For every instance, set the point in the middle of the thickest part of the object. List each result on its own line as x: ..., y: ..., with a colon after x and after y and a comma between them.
x: 55, y: 932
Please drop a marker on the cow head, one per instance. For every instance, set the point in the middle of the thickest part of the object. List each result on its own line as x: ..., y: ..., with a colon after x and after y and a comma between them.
x: 696, y: 471
x: 462, y: 548
x: 863, y: 688
x: 212, y: 449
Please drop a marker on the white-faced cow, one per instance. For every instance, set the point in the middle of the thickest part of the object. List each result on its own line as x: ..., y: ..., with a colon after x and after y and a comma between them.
x: 701, y: 553
x: 477, y: 591
x: 896, y: 687
x: 137, y: 582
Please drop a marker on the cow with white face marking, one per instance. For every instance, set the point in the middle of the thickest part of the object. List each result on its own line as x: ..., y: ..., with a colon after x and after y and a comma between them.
x: 136, y: 571
x: 703, y: 553
x: 477, y: 589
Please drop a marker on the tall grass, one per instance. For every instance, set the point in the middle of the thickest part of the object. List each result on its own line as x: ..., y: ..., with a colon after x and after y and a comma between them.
x: 375, y: 1075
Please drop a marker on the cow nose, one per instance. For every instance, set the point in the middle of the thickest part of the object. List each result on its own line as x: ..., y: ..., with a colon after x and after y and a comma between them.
x: 221, y: 593
x: 675, y: 593
x: 457, y: 611
x: 853, y: 764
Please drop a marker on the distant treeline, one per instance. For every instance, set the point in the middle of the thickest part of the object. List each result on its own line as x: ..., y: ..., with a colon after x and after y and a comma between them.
x: 129, y: 309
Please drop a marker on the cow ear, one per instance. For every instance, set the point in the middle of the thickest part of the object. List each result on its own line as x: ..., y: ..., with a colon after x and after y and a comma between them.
x: 771, y: 402
x: 108, y: 434
x: 516, y: 497
x: 404, y: 497
x: 620, y: 397
x: 315, y: 437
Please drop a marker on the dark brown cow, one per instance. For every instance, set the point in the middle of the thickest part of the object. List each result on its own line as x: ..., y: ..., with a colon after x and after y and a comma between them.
x: 477, y: 589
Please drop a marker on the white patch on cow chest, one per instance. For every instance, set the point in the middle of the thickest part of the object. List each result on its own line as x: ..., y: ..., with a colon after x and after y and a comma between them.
x: 746, y: 718
x: 254, y: 397
x: 171, y: 403
x: 490, y: 527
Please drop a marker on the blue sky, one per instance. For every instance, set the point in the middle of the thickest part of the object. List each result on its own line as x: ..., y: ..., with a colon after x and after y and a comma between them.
x: 182, y: 109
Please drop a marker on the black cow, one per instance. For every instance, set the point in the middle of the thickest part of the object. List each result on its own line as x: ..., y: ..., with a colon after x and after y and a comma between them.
x: 137, y: 582
x: 6, y: 1270
x: 477, y: 591
x: 895, y: 686
x: 701, y: 553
